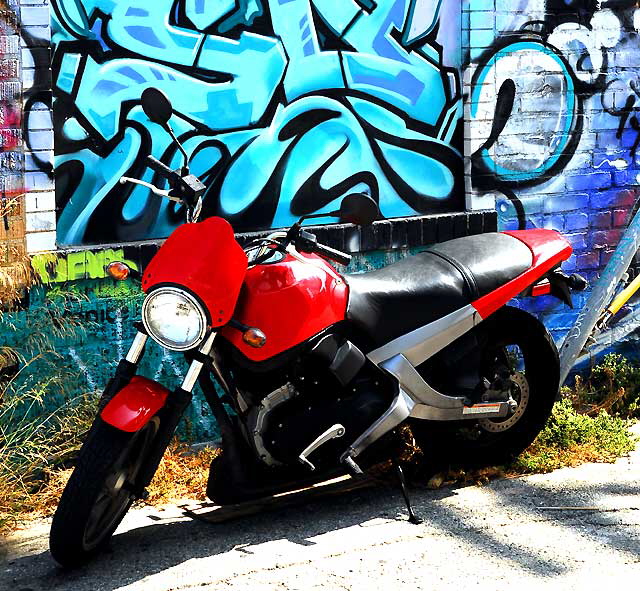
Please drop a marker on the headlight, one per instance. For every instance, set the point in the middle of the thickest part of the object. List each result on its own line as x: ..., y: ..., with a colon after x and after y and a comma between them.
x: 174, y: 318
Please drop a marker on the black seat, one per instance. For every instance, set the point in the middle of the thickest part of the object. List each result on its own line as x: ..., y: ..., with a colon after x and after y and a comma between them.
x: 419, y: 289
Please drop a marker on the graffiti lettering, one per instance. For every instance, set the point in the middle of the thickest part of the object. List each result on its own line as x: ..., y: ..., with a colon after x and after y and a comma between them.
x: 71, y: 266
x: 283, y: 108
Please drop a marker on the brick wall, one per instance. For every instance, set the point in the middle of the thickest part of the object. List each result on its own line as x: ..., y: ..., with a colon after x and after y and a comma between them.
x: 551, y: 134
x: 551, y: 125
x: 40, y: 195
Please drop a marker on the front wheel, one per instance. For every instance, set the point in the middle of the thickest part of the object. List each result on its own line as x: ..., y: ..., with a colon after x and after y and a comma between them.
x: 100, y: 491
x: 512, y: 348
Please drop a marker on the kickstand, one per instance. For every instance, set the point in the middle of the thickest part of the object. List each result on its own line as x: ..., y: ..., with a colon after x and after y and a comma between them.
x: 413, y: 518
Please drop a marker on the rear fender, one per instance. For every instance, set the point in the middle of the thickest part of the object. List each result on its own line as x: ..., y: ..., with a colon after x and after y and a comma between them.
x: 134, y: 406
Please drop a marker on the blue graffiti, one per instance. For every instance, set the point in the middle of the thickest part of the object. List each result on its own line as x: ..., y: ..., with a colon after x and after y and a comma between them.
x: 284, y: 106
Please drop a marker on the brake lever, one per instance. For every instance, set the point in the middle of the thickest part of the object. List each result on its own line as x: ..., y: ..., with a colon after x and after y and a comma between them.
x: 152, y: 188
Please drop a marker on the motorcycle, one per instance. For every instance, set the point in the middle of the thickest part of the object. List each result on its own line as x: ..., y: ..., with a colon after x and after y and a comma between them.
x: 325, y: 372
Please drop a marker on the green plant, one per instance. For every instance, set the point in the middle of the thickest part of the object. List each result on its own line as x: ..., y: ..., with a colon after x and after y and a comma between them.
x: 570, y: 438
x: 614, y: 386
x: 34, y: 442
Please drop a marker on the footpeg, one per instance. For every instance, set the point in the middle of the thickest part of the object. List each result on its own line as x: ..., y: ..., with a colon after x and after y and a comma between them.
x: 331, y: 433
x: 353, y: 467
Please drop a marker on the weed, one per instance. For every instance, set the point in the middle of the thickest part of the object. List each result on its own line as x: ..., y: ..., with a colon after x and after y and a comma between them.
x: 33, y: 442
x: 614, y: 386
x: 571, y: 438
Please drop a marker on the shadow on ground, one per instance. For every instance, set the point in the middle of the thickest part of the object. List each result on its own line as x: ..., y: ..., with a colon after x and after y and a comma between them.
x: 163, y: 544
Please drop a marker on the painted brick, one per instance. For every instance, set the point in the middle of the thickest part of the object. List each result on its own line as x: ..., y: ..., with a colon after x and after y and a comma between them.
x: 40, y: 119
x: 588, y: 260
x: 567, y: 202
x: 601, y: 219
x: 604, y: 239
x: 588, y: 182
x: 615, y: 198
x: 554, y: 222
x: 576, y: 221
x: 41, y: 201
x: 43, y: 157
x: 578, y: 241
x: 620, y: 217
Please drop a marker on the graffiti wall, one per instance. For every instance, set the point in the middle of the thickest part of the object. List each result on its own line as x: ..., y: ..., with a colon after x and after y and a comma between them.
x: 286, y: 105
x: 553, y: 90
x: 283, y: 106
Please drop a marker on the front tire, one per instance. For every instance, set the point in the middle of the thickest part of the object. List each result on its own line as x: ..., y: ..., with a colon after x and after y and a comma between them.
x: 532, y: 360
x: 100, y: 491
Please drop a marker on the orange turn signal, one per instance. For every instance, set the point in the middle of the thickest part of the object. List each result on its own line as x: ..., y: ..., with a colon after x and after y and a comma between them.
x: 118, y: 270
x: 254, y: 337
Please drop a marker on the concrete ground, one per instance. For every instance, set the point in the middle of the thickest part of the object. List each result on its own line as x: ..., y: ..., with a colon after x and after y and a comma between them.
x: 577, y: 528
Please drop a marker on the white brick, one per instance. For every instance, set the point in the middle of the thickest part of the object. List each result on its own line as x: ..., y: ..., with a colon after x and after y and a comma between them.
x: 38, y: 181
x: 40, y: 201
x: 45, y: 156
x: 34, y: 16
x: 41, y: 221
x: 41, y: 242
x: 40, y: 119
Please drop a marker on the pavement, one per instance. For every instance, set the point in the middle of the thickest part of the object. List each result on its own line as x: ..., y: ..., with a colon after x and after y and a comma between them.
x: 576, y: 528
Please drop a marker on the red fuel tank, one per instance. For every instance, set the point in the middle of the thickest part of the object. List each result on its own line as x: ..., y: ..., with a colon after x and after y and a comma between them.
x: 289, y: 301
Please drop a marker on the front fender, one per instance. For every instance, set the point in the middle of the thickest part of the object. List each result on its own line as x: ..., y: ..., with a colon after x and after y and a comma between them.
x: 134, y: 406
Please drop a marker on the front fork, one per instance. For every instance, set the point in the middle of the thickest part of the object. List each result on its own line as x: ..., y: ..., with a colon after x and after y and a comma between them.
x: 136, y: 350
x: 170, y: 413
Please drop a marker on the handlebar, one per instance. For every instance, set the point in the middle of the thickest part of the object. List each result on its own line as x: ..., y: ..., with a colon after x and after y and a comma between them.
x: 331, y: 253
x: 159, y: 167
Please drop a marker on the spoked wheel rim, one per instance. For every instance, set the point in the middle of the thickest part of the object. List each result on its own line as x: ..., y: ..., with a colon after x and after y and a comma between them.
x: 116, y: 494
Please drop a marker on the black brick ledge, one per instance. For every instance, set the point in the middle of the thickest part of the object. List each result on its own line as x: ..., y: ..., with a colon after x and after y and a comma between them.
x: 382, y: 235
x: 398, y: 232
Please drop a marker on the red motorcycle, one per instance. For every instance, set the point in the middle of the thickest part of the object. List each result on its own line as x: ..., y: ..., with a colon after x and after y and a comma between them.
x: 324, y: 371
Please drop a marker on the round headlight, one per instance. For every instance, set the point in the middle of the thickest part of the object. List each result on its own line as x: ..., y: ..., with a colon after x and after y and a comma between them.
x: 174, y: 318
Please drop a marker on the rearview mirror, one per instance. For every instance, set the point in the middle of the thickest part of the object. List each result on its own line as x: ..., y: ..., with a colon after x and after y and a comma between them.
x: 157, y: 106
x: 360, y: 209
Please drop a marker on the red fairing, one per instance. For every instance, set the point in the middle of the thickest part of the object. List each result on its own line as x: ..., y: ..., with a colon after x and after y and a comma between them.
x: 206, y: 259
x: 548, y: 249
x: 289, y: 301
x: 134, y: 406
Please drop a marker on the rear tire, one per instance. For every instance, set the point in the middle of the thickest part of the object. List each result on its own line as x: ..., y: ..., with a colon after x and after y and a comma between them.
x: 536, y: 383
x: 100, y: 491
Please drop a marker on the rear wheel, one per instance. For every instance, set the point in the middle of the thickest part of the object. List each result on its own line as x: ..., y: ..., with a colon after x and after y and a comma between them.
x: 518, y: 363
x: 100, y: 491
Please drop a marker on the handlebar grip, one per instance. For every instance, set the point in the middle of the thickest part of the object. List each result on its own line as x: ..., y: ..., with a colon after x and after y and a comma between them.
x: 331, y: 253
x: 159, y: 167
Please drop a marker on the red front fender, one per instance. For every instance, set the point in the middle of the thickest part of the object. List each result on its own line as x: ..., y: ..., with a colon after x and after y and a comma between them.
x: 131, y: 408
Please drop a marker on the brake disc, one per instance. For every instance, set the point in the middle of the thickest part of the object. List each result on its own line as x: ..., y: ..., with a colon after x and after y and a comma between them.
x: 522, y: 398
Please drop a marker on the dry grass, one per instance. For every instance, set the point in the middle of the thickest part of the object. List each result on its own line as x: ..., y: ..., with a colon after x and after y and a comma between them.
x: 181, y: 474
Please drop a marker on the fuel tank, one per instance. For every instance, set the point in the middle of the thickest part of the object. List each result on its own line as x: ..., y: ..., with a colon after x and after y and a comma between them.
x: 289, y: 300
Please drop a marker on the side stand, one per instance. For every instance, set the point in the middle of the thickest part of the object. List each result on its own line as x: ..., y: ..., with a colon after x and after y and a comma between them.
x: 413, y: 518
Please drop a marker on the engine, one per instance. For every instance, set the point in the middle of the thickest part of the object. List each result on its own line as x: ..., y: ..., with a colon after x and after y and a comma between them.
x: 332, y: 383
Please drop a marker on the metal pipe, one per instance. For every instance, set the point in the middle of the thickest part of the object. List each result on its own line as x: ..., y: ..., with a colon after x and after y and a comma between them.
x: 600, y: 296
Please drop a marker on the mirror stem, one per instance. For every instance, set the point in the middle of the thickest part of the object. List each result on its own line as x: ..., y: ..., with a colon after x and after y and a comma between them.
x: 184, y: 153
